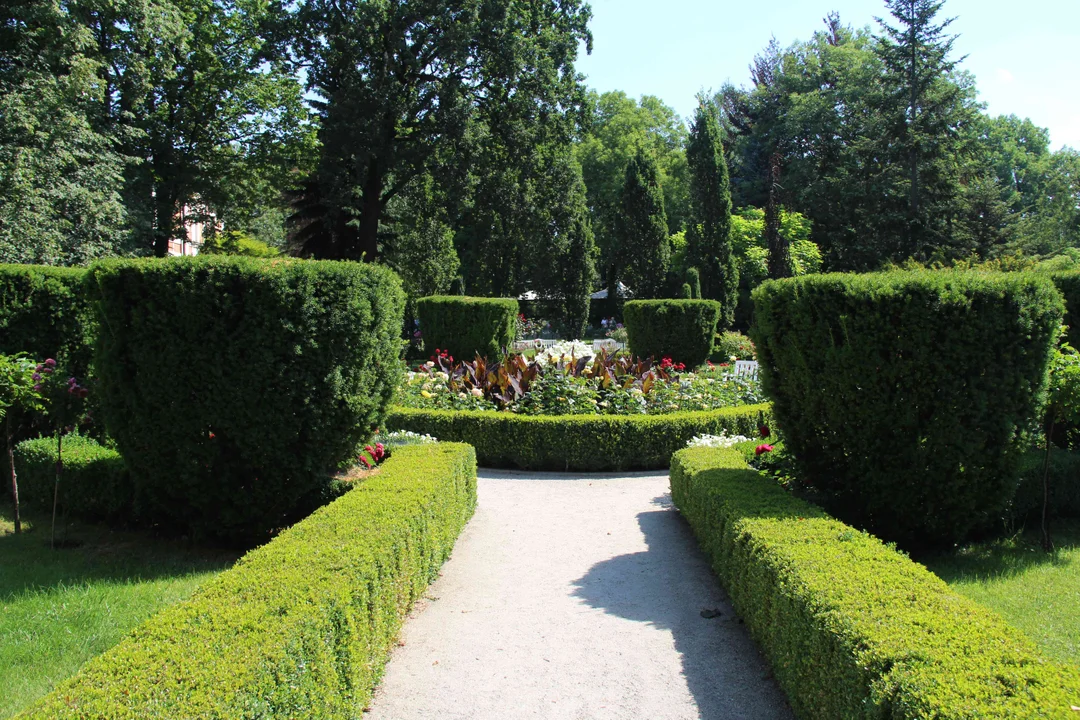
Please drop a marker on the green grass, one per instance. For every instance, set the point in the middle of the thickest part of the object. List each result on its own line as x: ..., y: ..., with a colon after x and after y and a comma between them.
x: 59, y: 608
x: 1036, y: 592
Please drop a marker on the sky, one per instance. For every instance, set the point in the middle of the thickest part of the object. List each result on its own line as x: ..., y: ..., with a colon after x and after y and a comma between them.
x: 1025, y: 55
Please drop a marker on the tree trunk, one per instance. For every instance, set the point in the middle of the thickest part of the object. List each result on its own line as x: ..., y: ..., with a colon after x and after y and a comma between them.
x: 56, y: 487
x: 1047, y: 542
x: 367, y: 245
x: 164, y: 221
x: 14, y: 479
x: 779, y: 254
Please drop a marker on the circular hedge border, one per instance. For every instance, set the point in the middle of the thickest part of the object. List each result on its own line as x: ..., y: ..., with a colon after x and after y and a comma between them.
x: 591, y: 443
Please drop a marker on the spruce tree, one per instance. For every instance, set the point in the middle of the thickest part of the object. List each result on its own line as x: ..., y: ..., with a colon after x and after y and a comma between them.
x: 918, y: 146
x: 645, y: 245
x: 708, y: 241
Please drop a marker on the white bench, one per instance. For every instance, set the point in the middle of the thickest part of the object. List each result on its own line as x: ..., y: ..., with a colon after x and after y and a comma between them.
x: 746, y: 368
x: 609, y: 345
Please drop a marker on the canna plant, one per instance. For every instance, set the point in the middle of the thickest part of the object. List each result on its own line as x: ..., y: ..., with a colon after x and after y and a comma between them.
x: 507, y: 382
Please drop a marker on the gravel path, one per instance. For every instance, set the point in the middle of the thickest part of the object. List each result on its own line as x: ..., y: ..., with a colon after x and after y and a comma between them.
x: 575, y: 597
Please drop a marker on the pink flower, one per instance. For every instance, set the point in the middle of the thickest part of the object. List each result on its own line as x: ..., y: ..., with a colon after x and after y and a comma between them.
x: 762, y: 449
x: 50, y: 363
x: 365, y: 461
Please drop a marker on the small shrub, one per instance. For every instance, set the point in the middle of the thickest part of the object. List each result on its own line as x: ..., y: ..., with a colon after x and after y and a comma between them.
x: 903, y: 396
x: 95, y: 484
x: 732, y: 344
x: 235, y: 387
x: 1064, y: 467
x: 851, y: 627
x: 299, y: 628
x: 680, y: 329
x: 693, y: 279
x: 45, y: 313
x: 467, y: 326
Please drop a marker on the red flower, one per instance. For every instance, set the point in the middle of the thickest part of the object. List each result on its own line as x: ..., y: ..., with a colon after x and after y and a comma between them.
x: 764, y: 431
x: 762, y: 449
x: 365, y: 461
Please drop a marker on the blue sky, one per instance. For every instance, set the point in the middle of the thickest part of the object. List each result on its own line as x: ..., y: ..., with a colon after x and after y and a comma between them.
x: 1025, y: 55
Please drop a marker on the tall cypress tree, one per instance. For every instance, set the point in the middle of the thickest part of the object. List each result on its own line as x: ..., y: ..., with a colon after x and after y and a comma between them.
x: 708, y: 241
x: 645, y: 245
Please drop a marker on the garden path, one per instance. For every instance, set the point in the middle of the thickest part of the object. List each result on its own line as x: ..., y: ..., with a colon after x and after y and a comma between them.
x: 574, y: 596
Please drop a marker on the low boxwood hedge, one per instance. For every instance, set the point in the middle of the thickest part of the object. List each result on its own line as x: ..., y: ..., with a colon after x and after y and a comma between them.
x: 853, y: 628
x: 300, y: 627
x: 590, y: 443
x: 95, y: 483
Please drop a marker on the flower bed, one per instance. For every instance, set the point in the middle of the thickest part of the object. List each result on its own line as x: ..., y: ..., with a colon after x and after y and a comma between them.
x: 571, y: 379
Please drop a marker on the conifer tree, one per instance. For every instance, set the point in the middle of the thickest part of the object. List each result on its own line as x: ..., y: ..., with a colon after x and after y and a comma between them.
x: 645, y: 245
x: 708, y: 236
x: 922, y: 112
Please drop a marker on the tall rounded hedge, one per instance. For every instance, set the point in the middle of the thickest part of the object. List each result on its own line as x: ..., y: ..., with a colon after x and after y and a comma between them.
x: 234, y: 387
x: 680, y: 329
x: 467, y: 326
x: 903, y: 396
x: 44, y: 313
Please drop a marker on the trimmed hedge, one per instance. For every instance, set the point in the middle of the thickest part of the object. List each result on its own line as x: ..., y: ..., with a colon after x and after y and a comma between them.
x: 680, y: 329
x: 44, y: 313
x: 95, y: 483
x: 1068, y: 284
x: 903, y: 396
x: 853, y: 628
x: 234, y: 387
x: 300, y: 627
x: 467, y: 326
x: 589, y: 443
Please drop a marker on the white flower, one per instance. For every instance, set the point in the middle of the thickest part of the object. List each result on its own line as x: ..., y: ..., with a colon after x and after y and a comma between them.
x: 565, y: 351
x: 400, y: 438
x: 442, y: 376
x: 477, y: 392
x: 717, y: 441
x: 430, y: 363
x: 734, y: 359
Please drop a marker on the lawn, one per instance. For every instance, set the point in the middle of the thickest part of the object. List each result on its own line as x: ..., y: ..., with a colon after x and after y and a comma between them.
x: 60, y: 608
x: 1036, y: 592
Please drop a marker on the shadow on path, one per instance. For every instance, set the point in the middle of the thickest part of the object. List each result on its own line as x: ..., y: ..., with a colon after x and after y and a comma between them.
x: 671, y: 586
